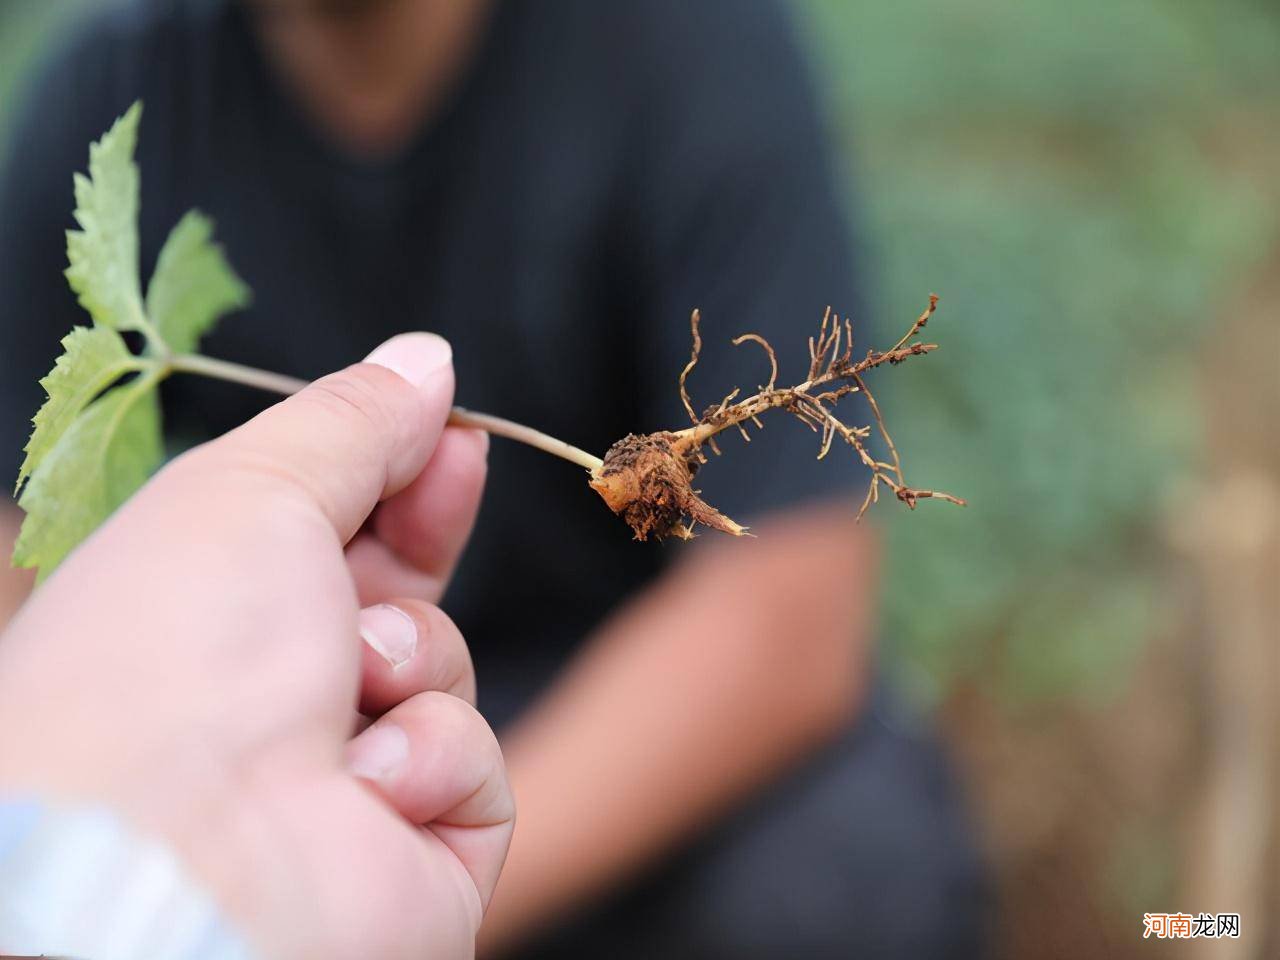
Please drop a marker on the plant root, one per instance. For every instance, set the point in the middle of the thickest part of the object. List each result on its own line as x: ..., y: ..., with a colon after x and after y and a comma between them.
x: 647, y: 479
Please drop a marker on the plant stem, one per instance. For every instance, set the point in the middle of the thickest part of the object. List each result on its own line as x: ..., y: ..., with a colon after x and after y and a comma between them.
x: 458, y: 417
x: 236, y: 373
x: 462, y: 417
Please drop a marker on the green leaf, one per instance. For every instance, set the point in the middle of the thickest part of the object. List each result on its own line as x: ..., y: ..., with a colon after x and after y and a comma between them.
x: 106, y: 454
x: 90, y: 449
x: 104, y: 252
x: 193, y: 285
x: 94, y: 358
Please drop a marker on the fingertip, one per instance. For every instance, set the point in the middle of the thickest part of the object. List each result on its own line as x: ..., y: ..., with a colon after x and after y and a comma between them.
x: 468, y: 447
x: 435, y: 758
x: 418, y: 357
x: 390, y: 631
x: 436, y: 762
x: 379, y: 754
x: 425, y: 361
x: 411, y: 647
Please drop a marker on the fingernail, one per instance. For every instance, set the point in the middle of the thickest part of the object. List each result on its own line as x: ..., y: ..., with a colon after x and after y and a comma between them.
x: 378, y: 753
x: 390, y: 631
x: 415, y: 356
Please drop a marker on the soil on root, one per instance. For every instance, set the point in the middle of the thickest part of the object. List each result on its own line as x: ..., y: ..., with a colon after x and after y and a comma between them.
x: 647, y: 479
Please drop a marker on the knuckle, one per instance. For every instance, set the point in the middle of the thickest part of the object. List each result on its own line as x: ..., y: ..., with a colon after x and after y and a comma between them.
x: 358, y: 395
x: 250, y: 471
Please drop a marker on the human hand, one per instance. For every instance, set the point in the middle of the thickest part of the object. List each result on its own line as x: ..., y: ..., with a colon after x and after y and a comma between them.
x: 195, y: 666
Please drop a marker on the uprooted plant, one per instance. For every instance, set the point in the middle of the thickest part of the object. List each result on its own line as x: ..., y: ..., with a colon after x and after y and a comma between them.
x: 98, y: 436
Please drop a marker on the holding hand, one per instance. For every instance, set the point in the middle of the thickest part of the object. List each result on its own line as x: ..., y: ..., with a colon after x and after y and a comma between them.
x: 197, y: 667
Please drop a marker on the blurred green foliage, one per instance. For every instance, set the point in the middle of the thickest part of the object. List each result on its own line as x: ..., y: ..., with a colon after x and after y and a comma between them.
x: 1054, y: 172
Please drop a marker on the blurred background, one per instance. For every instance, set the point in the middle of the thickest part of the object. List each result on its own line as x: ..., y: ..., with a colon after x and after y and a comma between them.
x: 1092, y: 188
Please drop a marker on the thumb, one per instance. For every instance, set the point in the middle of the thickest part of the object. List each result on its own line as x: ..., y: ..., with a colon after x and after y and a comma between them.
x: 350, y: 439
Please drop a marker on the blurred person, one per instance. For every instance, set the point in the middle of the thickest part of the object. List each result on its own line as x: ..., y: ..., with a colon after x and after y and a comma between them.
x: 703, y: 762
x: 144, y: 818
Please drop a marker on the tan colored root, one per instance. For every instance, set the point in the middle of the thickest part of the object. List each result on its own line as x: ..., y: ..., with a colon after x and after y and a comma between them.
x: 648, y: 479
x: 650, y: 485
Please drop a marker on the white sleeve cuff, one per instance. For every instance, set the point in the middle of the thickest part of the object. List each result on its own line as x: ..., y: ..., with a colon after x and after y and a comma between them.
x: 77, y: 883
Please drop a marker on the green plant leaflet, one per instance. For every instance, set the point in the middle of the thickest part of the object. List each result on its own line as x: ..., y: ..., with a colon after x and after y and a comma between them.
x: 98, y: 437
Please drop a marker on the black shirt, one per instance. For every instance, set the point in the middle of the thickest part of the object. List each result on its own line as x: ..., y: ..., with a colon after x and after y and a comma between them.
x: 599, y: 170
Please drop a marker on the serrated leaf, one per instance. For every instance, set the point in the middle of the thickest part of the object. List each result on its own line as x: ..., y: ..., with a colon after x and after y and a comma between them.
x: 103, y: 253
x: 93, y: 359
x: 193, y: 285
x: 108, y: 452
